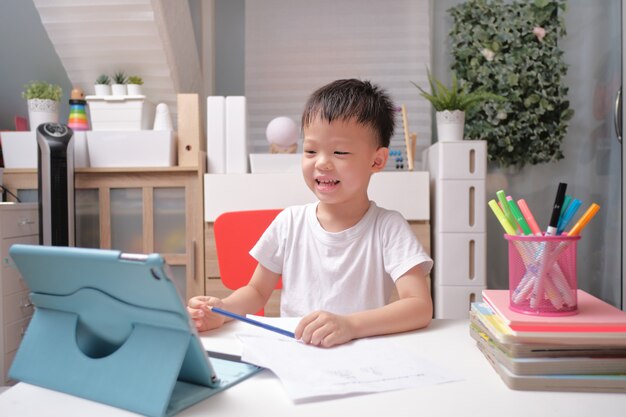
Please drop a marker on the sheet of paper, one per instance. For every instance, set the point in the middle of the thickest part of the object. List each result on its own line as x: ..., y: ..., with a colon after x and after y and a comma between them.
x: 361, y: 366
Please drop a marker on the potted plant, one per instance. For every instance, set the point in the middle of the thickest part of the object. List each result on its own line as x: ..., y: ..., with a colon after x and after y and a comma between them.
x: 119, y: 84
x: 451, y: 104
x: 134, y: 85
x: 43, y: 102
x: 102, y: 87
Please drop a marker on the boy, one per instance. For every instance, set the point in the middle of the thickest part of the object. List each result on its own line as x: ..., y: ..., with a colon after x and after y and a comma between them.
x: 341, y: 256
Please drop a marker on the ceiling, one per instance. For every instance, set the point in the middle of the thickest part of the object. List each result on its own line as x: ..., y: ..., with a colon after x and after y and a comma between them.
x: 153, y: 39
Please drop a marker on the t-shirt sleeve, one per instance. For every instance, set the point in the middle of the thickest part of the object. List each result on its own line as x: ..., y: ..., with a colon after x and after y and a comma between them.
x: 269, y: 250
x: 402, y: 250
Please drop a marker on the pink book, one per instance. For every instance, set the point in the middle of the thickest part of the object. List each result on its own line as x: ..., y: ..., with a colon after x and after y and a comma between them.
x: 594, y: 316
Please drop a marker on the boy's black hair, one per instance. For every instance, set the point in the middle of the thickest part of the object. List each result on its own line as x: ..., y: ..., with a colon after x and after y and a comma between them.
x: 353, y: 99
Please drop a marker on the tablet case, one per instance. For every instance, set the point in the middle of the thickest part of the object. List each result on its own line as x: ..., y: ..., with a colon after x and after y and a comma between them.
x: 111, y: 327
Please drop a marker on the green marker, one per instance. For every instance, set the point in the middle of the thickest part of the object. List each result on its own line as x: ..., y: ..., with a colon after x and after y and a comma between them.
x: 505, y: 207
x: 519, y: 217
x: 508, y: 227
x: 566, y: 201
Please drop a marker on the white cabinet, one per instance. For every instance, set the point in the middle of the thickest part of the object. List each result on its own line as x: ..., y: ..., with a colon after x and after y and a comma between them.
x: 406, y: 192
x: 18, y: 224
x: 458, y: 224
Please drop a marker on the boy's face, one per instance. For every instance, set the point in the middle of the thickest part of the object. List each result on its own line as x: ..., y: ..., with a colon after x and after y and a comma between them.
x: 339, y: 158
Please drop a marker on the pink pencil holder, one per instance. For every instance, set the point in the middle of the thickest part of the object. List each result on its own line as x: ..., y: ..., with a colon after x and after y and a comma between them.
x: 542, y: 274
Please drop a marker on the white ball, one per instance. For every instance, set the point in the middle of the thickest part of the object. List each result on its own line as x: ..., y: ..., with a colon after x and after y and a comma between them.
x: 282, y: 131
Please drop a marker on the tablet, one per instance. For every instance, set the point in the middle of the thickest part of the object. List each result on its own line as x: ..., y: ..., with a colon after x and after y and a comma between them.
x: 111, y: 327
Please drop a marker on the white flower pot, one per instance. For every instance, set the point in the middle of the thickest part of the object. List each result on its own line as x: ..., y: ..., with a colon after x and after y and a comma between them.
x: 42, y: 111
x: 450, y: 125
x: 102, y: 89
x: 119, y: 89
x: 134, y: 89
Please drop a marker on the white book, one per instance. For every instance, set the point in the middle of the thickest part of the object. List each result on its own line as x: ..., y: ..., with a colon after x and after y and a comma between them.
x: 236, y: 133
x: 216, y: 135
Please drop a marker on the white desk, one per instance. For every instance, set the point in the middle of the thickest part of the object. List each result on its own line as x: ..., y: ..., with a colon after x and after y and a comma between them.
x: 446, y: 342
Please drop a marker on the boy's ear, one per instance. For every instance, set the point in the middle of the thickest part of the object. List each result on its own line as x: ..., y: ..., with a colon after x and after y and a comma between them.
x: 380, y: 159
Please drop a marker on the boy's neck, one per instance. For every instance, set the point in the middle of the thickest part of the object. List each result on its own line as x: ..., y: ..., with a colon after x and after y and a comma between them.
x: 339, y: 217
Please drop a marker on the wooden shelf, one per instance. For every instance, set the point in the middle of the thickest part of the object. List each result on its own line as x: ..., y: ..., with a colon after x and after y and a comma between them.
x: 147, y: 179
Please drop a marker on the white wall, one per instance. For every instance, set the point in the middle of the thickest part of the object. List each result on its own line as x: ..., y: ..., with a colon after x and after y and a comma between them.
x: 26, y: 54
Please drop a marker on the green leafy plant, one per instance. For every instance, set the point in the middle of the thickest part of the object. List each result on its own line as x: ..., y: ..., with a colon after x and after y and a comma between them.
x: 119, y: 78
x: 42, y: 90
x: 103, y: 80
x: 134, y: 79
x: 515, y: 55
x: 457, y: 97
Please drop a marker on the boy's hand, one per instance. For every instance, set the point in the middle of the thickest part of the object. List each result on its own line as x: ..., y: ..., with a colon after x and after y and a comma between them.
x: 200, y: 313
x: 324, y: 329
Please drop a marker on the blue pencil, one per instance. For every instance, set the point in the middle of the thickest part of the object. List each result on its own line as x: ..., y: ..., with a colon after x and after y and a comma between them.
x: 253, y: 322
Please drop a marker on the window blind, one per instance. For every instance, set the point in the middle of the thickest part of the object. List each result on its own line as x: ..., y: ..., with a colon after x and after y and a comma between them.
x: 293, y: 47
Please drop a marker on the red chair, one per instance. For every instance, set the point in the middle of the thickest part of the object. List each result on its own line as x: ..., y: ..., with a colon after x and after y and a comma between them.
x: 236, y: 233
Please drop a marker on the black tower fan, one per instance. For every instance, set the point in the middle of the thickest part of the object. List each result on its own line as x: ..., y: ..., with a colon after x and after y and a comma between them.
x: 55, y: 177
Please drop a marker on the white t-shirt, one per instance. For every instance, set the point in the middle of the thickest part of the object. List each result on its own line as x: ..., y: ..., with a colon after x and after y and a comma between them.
x: 344, y: 272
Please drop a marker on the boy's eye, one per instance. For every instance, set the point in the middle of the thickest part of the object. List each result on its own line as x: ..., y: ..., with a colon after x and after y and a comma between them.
x: 341, y: 153
x: 310, y: 152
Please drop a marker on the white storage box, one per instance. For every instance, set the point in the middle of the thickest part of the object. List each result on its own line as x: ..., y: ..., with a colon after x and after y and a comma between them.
x: 120, y: 113
x: 264, y: 163
x: 19, y: 150
x: 144, y: 148
x: 461, y: 259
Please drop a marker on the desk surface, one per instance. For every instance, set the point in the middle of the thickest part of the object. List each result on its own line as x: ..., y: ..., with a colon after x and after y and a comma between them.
x: 446, y: 342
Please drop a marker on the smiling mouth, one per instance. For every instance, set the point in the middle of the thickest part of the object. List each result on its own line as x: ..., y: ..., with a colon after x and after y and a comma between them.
x: 327, y: 182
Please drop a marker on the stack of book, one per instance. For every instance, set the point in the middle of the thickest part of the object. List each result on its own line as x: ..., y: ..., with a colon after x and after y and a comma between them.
x: 582, y: 352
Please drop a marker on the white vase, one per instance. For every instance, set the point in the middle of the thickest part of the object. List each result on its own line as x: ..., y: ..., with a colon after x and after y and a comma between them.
x: 102, y: 89
x: 450, y: 125
x: 42, y: 111
x: 134, y: 89
x: 162, y: 118
x: 119, y: 89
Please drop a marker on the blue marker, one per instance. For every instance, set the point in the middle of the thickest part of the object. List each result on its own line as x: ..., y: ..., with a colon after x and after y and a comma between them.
x: 253, y: 322
x: 568, y: 215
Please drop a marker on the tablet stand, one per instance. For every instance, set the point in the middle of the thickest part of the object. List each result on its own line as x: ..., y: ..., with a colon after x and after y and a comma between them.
x: 117, y: 334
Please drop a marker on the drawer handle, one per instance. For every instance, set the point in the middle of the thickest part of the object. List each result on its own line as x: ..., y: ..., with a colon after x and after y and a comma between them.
x: 24, y: 222
x: 26, y: 303
x: 9, y: 262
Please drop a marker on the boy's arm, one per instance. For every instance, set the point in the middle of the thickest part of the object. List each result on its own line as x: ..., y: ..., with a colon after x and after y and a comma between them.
x: 247, y: 299
x: 251, y: 298
x: 413, y: 310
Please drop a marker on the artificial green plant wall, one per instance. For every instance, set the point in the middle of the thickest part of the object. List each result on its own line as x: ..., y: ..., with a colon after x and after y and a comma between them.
x: 512, y: 50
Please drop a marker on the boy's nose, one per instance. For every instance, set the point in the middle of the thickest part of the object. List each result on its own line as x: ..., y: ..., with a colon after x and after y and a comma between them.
x: 323, y: 162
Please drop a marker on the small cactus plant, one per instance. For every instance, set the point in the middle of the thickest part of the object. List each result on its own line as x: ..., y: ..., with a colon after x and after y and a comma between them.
x: 119, y: 77
x: 103, y: 80
x: 134, y: 79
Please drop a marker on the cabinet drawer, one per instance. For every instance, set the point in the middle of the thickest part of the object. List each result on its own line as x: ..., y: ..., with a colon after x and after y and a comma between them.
x: 14, y: 334
x: 463, y: 160
x: 16, y: 307
x: 11, y: 279
x: 459, y: 206
x: 19, y: 223
x: 453, y: 301
x: 460, y: 259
